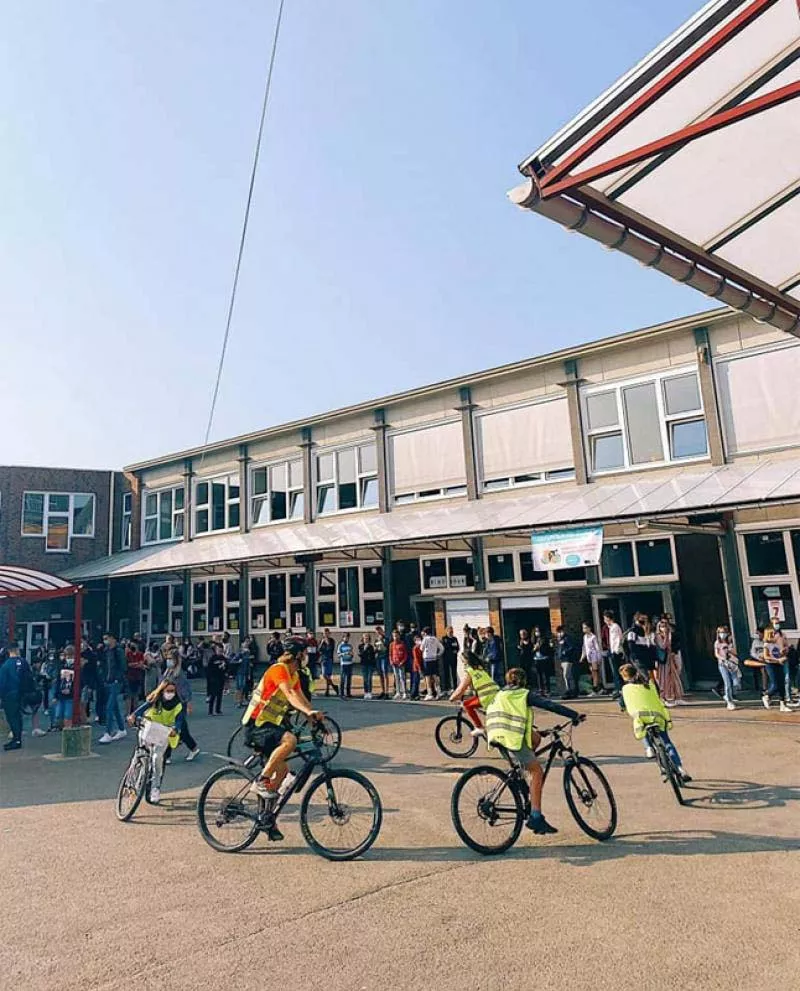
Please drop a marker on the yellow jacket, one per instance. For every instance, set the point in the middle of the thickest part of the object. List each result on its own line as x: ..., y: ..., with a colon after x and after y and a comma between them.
x: 644, y: 704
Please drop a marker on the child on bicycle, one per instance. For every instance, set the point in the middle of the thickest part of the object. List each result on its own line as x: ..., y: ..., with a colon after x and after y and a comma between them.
x: 161, y: 706
x: 477, y: 678
x: 644, y: 705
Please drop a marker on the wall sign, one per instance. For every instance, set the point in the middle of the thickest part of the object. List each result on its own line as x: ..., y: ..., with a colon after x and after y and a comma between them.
x: 554, y: 549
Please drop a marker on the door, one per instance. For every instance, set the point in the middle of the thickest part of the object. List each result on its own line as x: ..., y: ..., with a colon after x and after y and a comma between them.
x: 626, y: 604
x: 37, y: 635
x: 515, y: 620
x: 462, y: 612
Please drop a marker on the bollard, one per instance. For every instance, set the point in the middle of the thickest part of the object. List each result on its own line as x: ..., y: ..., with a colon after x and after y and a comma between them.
x: 76, y: 741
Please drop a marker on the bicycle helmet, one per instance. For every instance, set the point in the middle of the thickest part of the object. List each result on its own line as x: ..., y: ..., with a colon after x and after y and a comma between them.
x: 294, y: 646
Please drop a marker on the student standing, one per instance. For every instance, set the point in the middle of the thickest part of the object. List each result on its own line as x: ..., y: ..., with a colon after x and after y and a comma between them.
x: 327, y: 649
x: 398, y: 658
x: 215, y: 680
x: 449, y: 660
x: 593, y: 655
x: 366, y: 657
x: 345, y: 654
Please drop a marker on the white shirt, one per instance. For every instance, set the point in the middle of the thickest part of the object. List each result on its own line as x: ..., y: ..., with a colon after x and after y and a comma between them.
x: 615, y: 638
x: 431, y: 648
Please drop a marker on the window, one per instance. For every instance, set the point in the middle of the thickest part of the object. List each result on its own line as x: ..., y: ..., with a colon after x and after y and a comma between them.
x: 216, y: 504
x: 277, y: 601
x: 428, y: 462
x: 771, y: 570
x: 127, y: 520
x: 350, y: 596
x: 766, y: 553
x: 347, y: 479
x: 653, y: 421
x: 642, y: 558
x: 765, y: 600
x: 277, y: 492
x: 215, y: 605
x: 456, y: 571
x: 161, y: 609
x: 527, y: 573
x: 524, y: 445
x: 58, y: 517
x: 163, y: 515
x: 515, y: 566
x: 654, y: 557
x: 501, y: 568
x: 617, y: 560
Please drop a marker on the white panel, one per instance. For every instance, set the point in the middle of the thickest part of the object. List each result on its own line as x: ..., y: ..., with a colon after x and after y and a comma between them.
x: 429, y: 458
x: 525, y: 439
x: 770, y: 248
x: 524, y: 602
x: 758, y: 400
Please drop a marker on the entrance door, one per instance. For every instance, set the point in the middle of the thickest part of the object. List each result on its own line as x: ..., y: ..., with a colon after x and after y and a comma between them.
x: 463, y: 612
x: 515, y: 620
x: 37, y: 635
x: 626, y: 604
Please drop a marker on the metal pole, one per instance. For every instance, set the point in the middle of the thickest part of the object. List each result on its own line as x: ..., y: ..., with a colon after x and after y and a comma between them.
x: 77, y: 715
x: 12, y: 622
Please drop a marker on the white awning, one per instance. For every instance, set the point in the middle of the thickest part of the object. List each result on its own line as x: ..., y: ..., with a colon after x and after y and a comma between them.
x: 690, y: 163
x: 652, y: 494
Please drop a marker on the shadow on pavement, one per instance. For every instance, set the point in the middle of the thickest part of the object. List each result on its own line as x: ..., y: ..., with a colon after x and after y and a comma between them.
x: 739, y: 795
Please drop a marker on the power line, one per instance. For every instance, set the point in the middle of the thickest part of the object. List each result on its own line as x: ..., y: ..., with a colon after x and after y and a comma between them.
x: 246, y: 219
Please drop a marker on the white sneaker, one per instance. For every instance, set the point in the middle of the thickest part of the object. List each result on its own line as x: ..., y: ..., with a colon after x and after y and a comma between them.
x: 730, y: 706
x: 765, y: 700
x: 155, y: 796
x: 258, y: 787
x: 477, y: 732
x: 404, y: 696
x: 649, y: 753
x: 429, y: 697
x: 39, y: 732
x: 105, y: 738
x: 120, y: 734
x: 192, y: 754
x: 367, y: 695
x: 783, y: 707
x: 397, y: 695
x: 669, y: 705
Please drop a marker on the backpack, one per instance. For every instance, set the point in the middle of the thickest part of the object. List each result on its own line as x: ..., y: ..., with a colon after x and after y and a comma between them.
x: 30, y: 695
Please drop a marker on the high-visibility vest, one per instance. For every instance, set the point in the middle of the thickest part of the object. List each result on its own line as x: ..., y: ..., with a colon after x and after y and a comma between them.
x: 643, y: 703
x: 164, y: 717
x: 272, y: 709
x: 508, y: 719
x: 485, y: 687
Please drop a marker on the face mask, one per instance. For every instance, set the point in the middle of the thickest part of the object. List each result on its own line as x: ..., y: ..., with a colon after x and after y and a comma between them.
x: 401, y: 628
x: 170, y: 663
x: 168, y: 698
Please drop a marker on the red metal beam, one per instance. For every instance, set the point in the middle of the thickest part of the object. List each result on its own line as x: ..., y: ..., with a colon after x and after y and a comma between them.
x: 77, y: 712
x: 34, y: 594
x: 661, y: 86
x: 677, y: 139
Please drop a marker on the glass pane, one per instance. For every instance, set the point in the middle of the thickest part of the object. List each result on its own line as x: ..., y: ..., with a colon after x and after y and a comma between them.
x: 326, y: 583
x: 151, y: 504
x: 145, y: 597
x: 297, y: 505
x: 326, y: 499
x: 201, y: 521
x: 277, y: 499
x: 232, y: 618
x: 601, y: 410
x: 178, y: 524
x: 177, y: 596
x: 297, y: 616
x: 159, y: 615
x: 681, y: 394
x: 462, y: 574
x: 643, y: 423
x: 233, y: 487
x: 199, y: 620
x: 127, y: 502
x: 233, y: 515
x: 199, y: 593
x: 297, y: 585
x: 607, y: 452
x: 151, y: 530
x: 368, y: 457
x: 688, y: 439
x: 33, y: 513
x: 766, y: 554
x: 324, y: 467
x: 165, y: 516
x: 202, y: 493
x: 57, y: 533
x: 258, y: 617
x: 259, y: 481
x: 179, y: 497
x: 373, y: 579
x: 765, y: 598
x: 276, y: 604
x: 295, y: 474
x: 258, y: 588
x: 369, y: 493
x: 617, y: 561
x: 260, y: 510
x: 326, y: 614
x: 494, y: 484
x: 58, y: 504
x: 232, y: 590
x: 218, y: 510
x: 278, y: 477
x: 215, y: 605
x: 349, y: 597
x: 348, y: 496
x: 373, y: 612
x: 501, y: 568
x: 434, y: 573
x: 569, y: 575
x: 347, y: 465
x: 526, y: 572
x: 654, y: 557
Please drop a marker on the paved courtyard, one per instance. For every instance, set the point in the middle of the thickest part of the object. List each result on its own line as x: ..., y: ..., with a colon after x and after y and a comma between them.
x: 706, y: 896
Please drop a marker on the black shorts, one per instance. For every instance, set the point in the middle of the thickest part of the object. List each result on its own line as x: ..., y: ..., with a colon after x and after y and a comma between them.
x: 263, y: 739
x: 430, y: 668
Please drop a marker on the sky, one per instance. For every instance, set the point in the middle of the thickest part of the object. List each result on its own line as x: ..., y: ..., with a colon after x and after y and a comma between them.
x: 382, y: 252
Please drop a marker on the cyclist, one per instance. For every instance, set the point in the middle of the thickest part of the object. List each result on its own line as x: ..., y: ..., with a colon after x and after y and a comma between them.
x: 509, y: 722
x: 264, y: 719
x: 477, y: 678
x: 644, y: 705
x: 161, y: 706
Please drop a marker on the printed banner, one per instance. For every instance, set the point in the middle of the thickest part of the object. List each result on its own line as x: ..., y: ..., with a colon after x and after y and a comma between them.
x: 554, y: 549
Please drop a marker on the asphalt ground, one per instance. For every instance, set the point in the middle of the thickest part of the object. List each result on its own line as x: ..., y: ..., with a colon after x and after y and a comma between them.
x: 705, y: 896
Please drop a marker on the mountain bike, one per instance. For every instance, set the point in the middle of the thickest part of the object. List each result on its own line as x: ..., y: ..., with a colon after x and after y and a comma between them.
x: 669, y: 772
x: 489, y: 807
x: 137, y: 781
x: 340, y: 813
x: 454, y: 735
x: 330, y: 742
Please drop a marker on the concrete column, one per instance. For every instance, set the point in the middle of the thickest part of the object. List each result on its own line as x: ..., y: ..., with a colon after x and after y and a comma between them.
x: 188, y: 475
x: 244, y: 601
x: 135, y: 481
x: 186, y: 624
x: 439, y: 617
x: 311, y: 598
x: 308, y: 476
x: 495, y: 620
x: 466, y: 407
x: 708, y: 391
x: 244, y: 489
x: 734, y: 589
x: 384, y: 487
x: 476, y: 546
x: 388, y: 590
x: 571, y: 386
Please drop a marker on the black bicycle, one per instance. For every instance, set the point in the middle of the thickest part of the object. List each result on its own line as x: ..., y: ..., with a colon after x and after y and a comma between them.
x: 669, y: 771
x: 137, y: 781
x: 454, y: 735
x: 489, y: 807
x: 330, y: 741
x: 340, y: 814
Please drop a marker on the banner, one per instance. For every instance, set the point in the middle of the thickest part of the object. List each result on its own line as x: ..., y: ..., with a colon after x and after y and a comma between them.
x: 554, y: 549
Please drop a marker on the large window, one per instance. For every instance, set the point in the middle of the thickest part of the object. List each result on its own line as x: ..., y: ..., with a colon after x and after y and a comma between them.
x: 163, y: 516
x: 643, y: 558
x: 278, y: 601
x: 277, y: 492
x: 215, y: 605
x: 350, y: 596
x: 453, y: 571
x: 58, y: 517
x: 515, y: 567
x: 347, y: 479
x: 428, y: 462
x: 126, y: 524
x: 216, y: 504
x: 161, y: 609
x: 648, y: 422
x: 771, y: 562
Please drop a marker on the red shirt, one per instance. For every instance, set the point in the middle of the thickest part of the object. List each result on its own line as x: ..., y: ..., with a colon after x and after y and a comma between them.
x: 135, y: 660
x: 398, y: 654
x: 417, y: 652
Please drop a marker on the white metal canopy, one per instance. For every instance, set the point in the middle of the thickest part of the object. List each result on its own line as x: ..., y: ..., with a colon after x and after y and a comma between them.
x: 690, y: 163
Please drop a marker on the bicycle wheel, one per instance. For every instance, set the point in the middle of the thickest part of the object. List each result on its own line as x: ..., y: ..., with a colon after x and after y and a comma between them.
x: 131, y: 787
x: 331, y: 740
x: 341, y: 815
x: 487, y: 810
x: 236, y: 746
x: 590, y: 798
x: 227, y: 810
x: 668, y: 769
x: 453, y: 736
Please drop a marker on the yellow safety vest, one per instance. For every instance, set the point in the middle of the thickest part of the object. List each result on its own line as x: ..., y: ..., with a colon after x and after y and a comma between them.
x: 485, y: 686
x: 508, y: 719
x: 273, y: 709
x: 643, y: 703
x: 165, y: 717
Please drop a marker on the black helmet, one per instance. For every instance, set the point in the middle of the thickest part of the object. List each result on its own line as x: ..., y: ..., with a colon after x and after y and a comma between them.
x: 294, y: 646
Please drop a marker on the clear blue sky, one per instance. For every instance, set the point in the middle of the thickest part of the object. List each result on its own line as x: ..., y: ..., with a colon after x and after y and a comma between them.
x: 382, y: 255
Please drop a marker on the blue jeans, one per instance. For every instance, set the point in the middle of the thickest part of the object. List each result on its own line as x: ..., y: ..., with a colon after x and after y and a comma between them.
x: 773, y: 676
x: 727, y: 681
x: 368, y: 675
x: 63, y: 712
x: 346, y: 680
x: 669, y: 746
x: 113, y: 711
x: 496, y: 672
x: 415, y: 679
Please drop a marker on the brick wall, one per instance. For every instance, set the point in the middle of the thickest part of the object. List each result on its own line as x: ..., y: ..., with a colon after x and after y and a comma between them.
x: 569, y: 607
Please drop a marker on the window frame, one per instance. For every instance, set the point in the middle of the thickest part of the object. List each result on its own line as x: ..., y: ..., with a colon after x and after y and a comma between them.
x: 362, y: 476
x: 447, y: 556
x: 227, y: 604
x: 230, y: 477
x: 785, y: 527
x: 175, y: 513
x: 126, y: 522
x: 666, y: 420
x: 291, y: 491
x: 146, y: 614
x: 47, y: 513
x: 364, y: 598
x: 636, y: 577
x: 518, y: 583
x: 262, y: 602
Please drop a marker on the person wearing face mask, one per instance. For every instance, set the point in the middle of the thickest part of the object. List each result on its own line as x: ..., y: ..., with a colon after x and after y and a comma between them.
x: 728, y: 665
x: 176, y: 675
x: 164, y: 707
x: 566, y: 655
x: 776, y: 656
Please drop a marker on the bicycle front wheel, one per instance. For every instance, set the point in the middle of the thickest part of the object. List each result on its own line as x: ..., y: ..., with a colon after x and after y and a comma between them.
x: 341, y: 815
x: 131, y: 787
x: 668, y: 769
x: 487, y: 810
x: 227, y: 811
x: 453, y: 737
x: 590, y: 798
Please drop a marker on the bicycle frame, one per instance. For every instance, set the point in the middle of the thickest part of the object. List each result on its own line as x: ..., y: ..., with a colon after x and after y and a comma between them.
x: 557, y: 747
x: 309, y: 753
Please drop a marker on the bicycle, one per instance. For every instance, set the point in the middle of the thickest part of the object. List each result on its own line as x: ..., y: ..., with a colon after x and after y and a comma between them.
x: 497, y: 803
x: 329, y: 747
x: 454, y: 735
x: 340, y: 813
x: 137, y: 781
x: 669, y: 772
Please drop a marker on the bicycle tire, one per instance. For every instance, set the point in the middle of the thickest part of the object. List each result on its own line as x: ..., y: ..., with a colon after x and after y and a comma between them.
x: 668, y: 769
x: 583, y: 768
x: 484, y: 814
x: 237, y: 749
x: 332, y: 740
x: 136, y: 775
x: 224, y: 811
x: 446, y: 736
x: 328, y: 780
